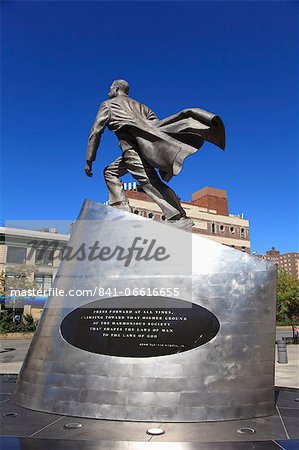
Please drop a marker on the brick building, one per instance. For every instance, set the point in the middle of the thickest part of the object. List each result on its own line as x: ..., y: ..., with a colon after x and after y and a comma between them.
x: 208, y: 208
x: 286, y: 261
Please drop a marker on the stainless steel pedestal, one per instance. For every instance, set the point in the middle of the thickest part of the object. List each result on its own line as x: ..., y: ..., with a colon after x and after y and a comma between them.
x: 228, y: 377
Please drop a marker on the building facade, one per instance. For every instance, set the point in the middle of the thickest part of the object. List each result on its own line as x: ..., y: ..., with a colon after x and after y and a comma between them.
x: 39, y: 250
x: 286, y: 261
x: 208, y: 208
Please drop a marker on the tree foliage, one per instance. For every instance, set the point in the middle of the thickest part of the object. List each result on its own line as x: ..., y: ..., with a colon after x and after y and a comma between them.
x: 287, y: 297
x: 8, y: 325
x: 2, y: 283
x: 21, y: 279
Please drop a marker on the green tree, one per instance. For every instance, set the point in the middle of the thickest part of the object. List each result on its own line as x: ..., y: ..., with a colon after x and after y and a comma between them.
x: 18, y: 277
x: 28, y: 324
x: 6, y: 322
x: 287, y: 297
x: 2, y: 283
x: 8, y: 325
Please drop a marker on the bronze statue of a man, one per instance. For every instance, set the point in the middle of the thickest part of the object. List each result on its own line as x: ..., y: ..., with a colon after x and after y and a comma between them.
x: 148, y: 143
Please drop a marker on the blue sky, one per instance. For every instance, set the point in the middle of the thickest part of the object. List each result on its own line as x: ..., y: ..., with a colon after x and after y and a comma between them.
x: 236, y: 59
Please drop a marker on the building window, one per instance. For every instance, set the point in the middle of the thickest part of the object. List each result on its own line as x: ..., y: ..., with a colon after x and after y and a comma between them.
x: 163, y: 218
x: 242, y: 232
x: 136, y: 211
x: 151, y: 215
x: 44, y: 257
x: 232, y: 230
x: 222, y: 228
x: 213, y: 228
x: 243, y: 248
x: 16, y: 255
x: 43, y: 282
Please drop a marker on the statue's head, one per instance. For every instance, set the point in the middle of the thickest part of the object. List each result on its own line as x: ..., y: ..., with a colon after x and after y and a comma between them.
x: 118, y: 87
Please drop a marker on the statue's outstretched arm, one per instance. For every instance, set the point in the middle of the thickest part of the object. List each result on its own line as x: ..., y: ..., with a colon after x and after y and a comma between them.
x: 96, y: 132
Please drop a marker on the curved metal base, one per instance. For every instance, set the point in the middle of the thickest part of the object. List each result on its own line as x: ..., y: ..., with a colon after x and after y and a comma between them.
x: 229, y: 377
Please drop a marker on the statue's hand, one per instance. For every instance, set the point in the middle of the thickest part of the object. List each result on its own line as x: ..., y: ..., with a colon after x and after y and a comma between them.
x: 88, y: 169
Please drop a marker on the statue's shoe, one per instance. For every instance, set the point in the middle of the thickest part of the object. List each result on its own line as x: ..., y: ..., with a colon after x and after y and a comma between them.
x: 184, y: 223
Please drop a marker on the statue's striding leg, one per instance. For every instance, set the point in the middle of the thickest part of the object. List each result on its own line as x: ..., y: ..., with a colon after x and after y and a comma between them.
x: 112, y: 174
x: 158, y: 191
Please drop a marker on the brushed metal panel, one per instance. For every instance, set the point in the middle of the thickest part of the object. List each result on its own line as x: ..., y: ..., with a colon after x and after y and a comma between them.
x: 230, y: 377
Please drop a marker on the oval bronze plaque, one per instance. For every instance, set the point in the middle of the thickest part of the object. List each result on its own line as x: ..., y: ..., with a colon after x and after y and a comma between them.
x: 139, y: 326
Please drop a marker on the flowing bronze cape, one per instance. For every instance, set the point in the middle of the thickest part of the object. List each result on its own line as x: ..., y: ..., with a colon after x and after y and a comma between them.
x: 163, y: 143
x: 166, y: 143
